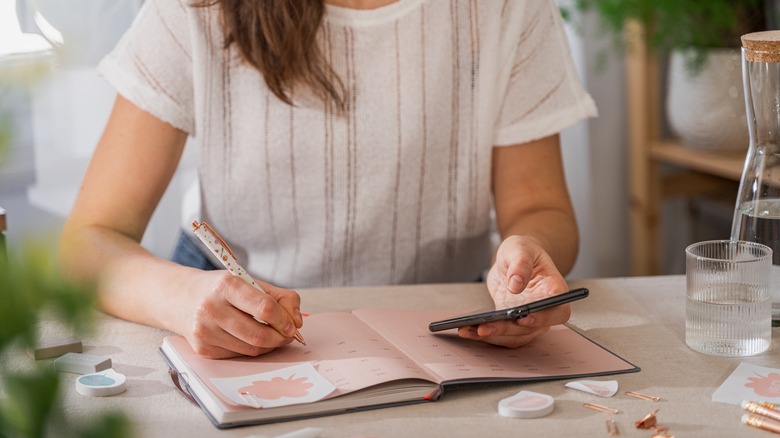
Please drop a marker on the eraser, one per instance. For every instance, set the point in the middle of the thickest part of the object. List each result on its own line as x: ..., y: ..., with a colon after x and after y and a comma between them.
x: 81, y: 363
x: 526, y: 404
x: 55, y: 347
x: 101, y: 384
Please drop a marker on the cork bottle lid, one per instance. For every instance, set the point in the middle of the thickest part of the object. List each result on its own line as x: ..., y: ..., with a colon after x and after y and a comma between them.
x: 762, y: 46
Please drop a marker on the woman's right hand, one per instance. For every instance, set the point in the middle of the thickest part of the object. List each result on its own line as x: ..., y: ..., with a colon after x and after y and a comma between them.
x: 129, y: 172
x: 222, y: 318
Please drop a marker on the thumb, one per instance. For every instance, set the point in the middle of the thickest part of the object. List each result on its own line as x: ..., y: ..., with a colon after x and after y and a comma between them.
x: 516, y: 266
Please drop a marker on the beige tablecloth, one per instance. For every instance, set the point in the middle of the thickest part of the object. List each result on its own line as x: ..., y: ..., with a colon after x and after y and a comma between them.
x: 641, y: 319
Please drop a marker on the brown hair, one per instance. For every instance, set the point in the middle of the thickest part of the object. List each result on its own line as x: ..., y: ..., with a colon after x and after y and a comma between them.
x: 279, y: 38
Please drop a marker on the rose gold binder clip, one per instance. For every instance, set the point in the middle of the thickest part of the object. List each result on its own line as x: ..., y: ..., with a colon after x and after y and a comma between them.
x: 643, y: 396
x: 612, y: 428
x: 601, y: 408
x: 648, y: 422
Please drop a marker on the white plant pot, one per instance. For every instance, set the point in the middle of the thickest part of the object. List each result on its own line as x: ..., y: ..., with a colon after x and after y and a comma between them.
x: 706, y: 110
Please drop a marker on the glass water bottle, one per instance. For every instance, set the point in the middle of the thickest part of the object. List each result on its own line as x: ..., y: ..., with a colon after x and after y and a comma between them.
x: 757, y: 211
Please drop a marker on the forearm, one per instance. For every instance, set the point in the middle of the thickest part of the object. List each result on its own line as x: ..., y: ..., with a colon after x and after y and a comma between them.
x: 555, y: 230
x: 130, y: 282
x: 532, y: 200
x: 133, y: 164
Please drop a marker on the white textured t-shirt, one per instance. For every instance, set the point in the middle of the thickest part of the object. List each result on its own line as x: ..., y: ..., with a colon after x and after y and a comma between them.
x: 397, y: 188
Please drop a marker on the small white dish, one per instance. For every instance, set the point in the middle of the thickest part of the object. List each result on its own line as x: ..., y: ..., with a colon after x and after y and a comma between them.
x: 102, y: 384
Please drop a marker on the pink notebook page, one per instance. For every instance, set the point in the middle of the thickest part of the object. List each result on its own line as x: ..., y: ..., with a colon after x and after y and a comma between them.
x: 342, y: 348
x: 560, y: 352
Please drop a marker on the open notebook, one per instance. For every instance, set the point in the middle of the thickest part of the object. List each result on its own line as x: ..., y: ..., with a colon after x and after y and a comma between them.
x: 372, y: 358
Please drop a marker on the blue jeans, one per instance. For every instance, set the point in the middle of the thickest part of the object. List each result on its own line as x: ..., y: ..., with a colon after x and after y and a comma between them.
x: 187, y: 253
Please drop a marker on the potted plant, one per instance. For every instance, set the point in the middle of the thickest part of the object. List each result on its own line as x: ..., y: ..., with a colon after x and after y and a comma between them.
x: 704, y: 98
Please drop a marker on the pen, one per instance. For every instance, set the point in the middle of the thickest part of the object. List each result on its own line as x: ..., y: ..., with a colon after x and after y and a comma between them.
x: 760, y: 422
x: 765, y: 409
x: 222, y: 251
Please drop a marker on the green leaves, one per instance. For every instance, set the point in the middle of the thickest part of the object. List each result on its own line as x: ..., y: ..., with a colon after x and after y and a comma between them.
x: 30, y: 287
x: 694, y: 25
x: 31, y: 408
x: 29, y: 400
x: 33, y: 293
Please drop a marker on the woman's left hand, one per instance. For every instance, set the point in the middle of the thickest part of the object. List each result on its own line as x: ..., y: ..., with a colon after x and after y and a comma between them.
x: 523, y: 273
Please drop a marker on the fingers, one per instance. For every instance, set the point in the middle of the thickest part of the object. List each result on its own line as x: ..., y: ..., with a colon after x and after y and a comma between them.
x: 249, y: 335
x: 262, y: 306
x: 515, y: 262
x: 230, y: 318
x: 288, y: 299
x: 552, y: 316
x: 514, y: 340
x: 517, y: 333
x: 223, y: 345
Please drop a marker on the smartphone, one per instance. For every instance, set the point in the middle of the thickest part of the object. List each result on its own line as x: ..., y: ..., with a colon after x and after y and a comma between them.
x: 508, y: 314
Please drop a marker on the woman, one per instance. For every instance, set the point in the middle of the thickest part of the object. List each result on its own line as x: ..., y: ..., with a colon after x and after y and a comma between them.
x: 349, y: 143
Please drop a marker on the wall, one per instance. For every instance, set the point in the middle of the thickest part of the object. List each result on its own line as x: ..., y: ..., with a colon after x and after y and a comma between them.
x: 595, y: 158
x: 58, y: 119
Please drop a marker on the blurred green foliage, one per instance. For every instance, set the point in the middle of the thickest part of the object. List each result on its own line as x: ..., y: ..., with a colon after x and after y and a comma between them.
x: 30, y: 285
x: 33, y: 291
x: 693, y: 25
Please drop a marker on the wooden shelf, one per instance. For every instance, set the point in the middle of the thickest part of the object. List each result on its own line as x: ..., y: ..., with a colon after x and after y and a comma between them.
x: 723, y: 164
x: 696, y: 173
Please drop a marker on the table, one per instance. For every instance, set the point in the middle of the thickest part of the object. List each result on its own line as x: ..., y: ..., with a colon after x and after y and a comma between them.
x: 639, y: 318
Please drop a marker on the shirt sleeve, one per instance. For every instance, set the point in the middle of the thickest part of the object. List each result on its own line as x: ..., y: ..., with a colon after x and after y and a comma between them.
x: 151, y: 65
x: 544, y: 94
